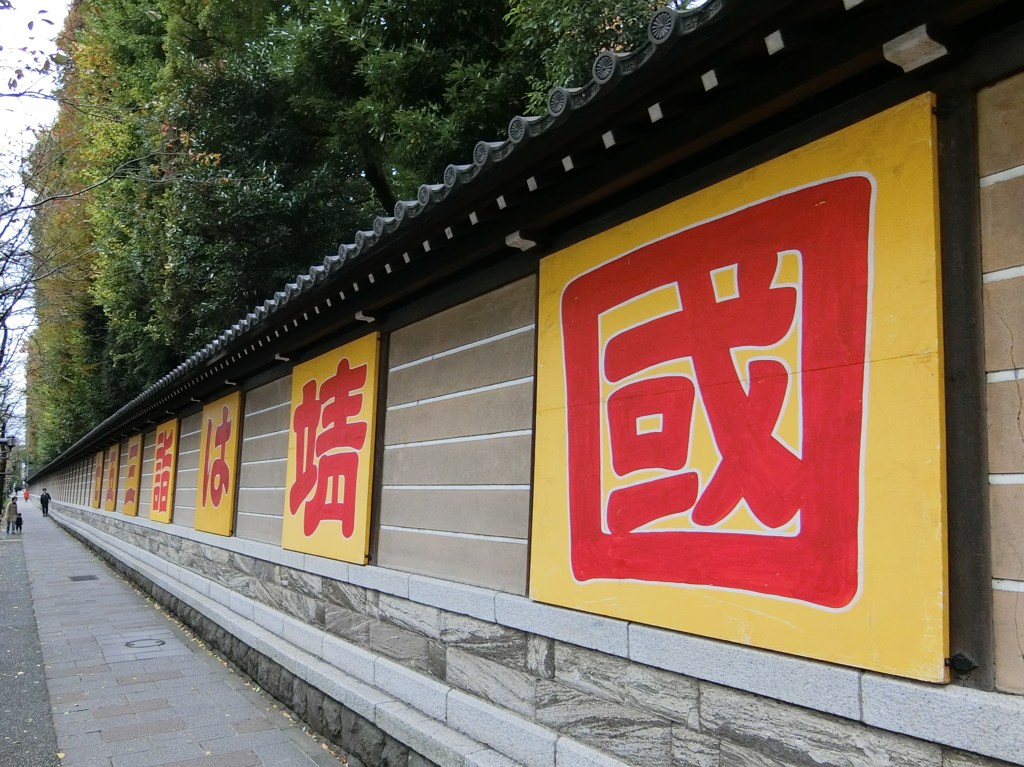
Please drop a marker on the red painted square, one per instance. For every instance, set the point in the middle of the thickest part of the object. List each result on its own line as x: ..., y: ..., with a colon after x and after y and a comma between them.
x: 812, y: 492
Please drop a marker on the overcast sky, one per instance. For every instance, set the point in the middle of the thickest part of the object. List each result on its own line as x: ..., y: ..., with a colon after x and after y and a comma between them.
x: 20, y: 115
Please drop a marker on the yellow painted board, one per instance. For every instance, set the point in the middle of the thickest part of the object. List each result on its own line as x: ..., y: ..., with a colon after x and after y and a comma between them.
x: 740, y: 415
x: 113, y: 467
x: 133, y: 476
x: 165, y: 462
x: 330, y: 452
x: 218, y: 464
x: 96, y: 496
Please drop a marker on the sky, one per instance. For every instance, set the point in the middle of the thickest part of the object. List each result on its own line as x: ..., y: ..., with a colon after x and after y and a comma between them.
x: 19, y: 115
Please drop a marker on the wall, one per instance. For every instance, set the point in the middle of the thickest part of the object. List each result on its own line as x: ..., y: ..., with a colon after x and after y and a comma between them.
x: 1001, y: 150
x: 436, y: 645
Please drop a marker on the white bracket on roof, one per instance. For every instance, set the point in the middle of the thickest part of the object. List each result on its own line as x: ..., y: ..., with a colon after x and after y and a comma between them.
x: 364, y: 317
x: 848, y: 4
x: 516, y: 240
x: 230, y: 383
x: 281, y: 358
x: 913, y: 49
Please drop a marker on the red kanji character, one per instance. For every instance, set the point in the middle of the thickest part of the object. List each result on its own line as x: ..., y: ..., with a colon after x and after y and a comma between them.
x: 216, y: 473
x: 129, y: 493
x: 162, y: 472
x: 812, y: 490
x: 327, y: 448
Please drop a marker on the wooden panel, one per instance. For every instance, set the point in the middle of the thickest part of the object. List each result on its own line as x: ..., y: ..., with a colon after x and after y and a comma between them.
x: 492, y: 564
x: 273, y: 393
x: 1007, y: 503
x: 488, y: 412
x: 1002, y: 224
x: 122, y: 474
x: 507, y: 308
x: 1004, y: 323
x: 274, y: 420
x: 268, y: 447
x: 261, y: 500
x: 258, y: 528
x: 1005, y: 439
x: 1000, y: 123
x: 506, y: 359
x: 504, y: 513
x: 264, y: 474
x: 146, y: 481
x: 501, y: 461
x: 1008, y: 611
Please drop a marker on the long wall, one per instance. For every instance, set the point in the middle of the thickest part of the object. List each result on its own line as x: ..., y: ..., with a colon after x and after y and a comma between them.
x: 455, y: 634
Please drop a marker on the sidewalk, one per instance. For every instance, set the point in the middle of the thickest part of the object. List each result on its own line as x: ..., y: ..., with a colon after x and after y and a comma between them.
x: 128, y: 688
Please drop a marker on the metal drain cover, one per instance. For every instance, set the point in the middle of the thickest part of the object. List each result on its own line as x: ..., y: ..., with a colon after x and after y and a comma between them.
x: 83, y: 577
x: 137, y: 643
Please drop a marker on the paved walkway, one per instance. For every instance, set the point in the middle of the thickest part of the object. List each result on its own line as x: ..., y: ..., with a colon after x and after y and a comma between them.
x: 128, y: 687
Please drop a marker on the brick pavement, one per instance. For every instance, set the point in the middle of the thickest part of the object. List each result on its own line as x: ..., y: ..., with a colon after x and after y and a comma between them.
x: 129, y: 688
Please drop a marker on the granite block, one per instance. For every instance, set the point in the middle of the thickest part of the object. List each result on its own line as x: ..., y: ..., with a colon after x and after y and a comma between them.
x: 268, y: 618
x: 735, y: 755
x: 593, y: 631
x: 345, y: 595
x: 349, y: 658
x: 420, y: 691
x: 624, y: 732
x: 987, y: 723
x: 489, y: 758
x: 354, y: 626
x: 424, y: 735
x: 570, y: 753
x: 415, y: 617
x: 298, y: 582
x: 808, y: 683
x: 693, y: 748
x: 303, y: 636
x: 659, y: 692
x: 494, y: 682
x: 487, y: 640
x: 453, y: 597
x: 381, y: 579
x: 502, y: 730
x: 406, y: 647
x: 328, y: 568
x: 805, y: 737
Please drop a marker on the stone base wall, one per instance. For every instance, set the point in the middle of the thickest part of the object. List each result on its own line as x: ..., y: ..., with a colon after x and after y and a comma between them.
x: 530, y: 698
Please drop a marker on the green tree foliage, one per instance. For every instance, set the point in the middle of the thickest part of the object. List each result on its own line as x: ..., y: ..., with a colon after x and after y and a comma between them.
x: 228, y: 145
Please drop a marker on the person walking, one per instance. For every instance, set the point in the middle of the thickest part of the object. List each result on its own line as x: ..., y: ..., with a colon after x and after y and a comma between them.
x: 26, y: 493
x: 11, y: 514
x: 44, y: 502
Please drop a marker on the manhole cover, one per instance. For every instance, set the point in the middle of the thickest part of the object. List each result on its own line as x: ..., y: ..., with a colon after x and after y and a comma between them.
x: 137, y: 643
x: 83, y: 577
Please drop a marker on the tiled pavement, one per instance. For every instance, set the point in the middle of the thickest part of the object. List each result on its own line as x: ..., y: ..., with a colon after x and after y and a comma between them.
x: 129, y: 688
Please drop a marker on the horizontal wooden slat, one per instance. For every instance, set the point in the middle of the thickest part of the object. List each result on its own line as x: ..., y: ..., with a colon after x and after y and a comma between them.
x: 265, y: 448
x: 269, y: 474
x: 496, y: 312
x: 269, y: 395
x: 267, y: 421
x: 504, y: 513
x: 492, y: 564
x: 260, y: 528
x: 504, y: 461
x: 255, y: 500
x: 487, y: 412
x: 506, y: 359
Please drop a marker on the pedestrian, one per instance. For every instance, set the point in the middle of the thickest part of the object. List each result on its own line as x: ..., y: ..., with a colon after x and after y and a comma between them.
x: 26, y: 493
x: 17, y: 523
x: 44, y: 501
x: 11, y: 514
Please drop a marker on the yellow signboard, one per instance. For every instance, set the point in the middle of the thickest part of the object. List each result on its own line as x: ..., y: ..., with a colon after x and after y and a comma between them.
x: 165, y: 459
x: 133, y: 476
x: 113, y: 464
x: 97, y: 481
x: 218, y: 464
x: 740, y: 409
x: 330, y: 452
